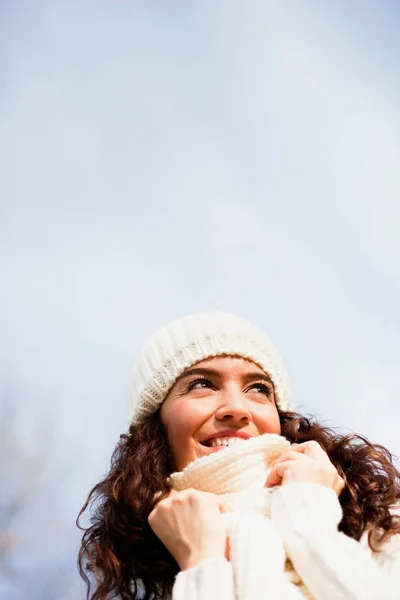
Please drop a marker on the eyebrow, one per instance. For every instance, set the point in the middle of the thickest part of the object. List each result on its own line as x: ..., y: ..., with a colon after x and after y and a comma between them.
x: 252, y: 376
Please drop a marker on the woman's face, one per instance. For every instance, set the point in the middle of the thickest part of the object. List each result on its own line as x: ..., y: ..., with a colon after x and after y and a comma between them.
x: 216, y: 403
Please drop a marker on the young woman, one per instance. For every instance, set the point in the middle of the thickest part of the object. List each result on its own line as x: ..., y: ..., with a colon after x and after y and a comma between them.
x: 202, y: 383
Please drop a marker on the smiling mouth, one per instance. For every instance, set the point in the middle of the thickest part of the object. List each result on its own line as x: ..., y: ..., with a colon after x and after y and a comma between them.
x: 222, y: 442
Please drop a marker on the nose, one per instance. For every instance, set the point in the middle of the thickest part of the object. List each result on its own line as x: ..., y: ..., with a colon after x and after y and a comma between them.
x: 233, y: 407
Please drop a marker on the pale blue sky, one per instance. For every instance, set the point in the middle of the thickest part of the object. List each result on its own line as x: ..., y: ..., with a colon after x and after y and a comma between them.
x: 163, y: 158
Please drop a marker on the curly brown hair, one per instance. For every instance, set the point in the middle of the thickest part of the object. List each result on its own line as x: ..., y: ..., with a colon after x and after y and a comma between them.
x: 121, y: 557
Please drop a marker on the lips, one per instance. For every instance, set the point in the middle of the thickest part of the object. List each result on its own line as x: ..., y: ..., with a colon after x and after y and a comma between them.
x: 226, y: 434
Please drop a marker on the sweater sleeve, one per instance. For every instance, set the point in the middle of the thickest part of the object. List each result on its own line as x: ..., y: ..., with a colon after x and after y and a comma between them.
x: 210, y: 578
x: 332, y: 565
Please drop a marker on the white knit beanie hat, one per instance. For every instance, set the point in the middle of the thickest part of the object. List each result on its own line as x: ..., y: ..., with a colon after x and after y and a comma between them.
x: 185, y: 342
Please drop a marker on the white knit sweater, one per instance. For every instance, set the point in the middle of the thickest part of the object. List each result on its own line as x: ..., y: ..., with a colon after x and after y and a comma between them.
x: 297, y: 521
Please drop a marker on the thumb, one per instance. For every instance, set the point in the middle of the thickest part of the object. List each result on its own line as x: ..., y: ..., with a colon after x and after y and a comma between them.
x: 273, y: 478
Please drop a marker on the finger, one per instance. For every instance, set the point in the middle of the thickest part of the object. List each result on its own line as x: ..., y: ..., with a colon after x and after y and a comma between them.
x: 277, y: 473
x: 289, y: 455
x: 273, y: 479
x: 311, y: 448
x: 160, y: 496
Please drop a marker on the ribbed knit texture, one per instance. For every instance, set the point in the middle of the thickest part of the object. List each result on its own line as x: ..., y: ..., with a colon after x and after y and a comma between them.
x: 332, y: 566
x: 238, y: 474
x: 189, y: 340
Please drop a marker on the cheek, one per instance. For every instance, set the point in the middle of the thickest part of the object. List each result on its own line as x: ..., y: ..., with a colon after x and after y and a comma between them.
x: 268, y: 420
x: 181, y: 426
x: 179, y: 432
x: 181, y: 421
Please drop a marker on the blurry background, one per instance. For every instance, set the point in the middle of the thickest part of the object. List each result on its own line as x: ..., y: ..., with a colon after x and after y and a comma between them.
x: 161, y: 158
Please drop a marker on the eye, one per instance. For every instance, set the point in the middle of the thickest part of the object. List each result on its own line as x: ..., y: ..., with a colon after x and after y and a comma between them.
x: 262, y: 388
x: 197, y: 384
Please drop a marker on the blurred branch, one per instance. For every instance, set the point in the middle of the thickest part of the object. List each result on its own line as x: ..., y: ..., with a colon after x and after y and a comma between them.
x: 22, y: 464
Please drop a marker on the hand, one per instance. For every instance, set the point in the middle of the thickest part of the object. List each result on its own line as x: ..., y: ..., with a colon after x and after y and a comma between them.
x: 307, y: 463
x: 191, y: 527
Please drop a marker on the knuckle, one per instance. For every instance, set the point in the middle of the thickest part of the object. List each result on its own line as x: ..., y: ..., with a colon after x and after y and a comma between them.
x: 294, y: 455
x: 190, y: 494
x: 166, y: 503
x: 177, y: 500
x: 313, y: 444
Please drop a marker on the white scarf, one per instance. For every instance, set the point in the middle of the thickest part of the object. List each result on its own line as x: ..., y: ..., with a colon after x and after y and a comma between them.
x: 238, y: 474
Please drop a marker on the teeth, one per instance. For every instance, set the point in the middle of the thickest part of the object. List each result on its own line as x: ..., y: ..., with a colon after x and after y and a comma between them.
x: 225, y: 441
